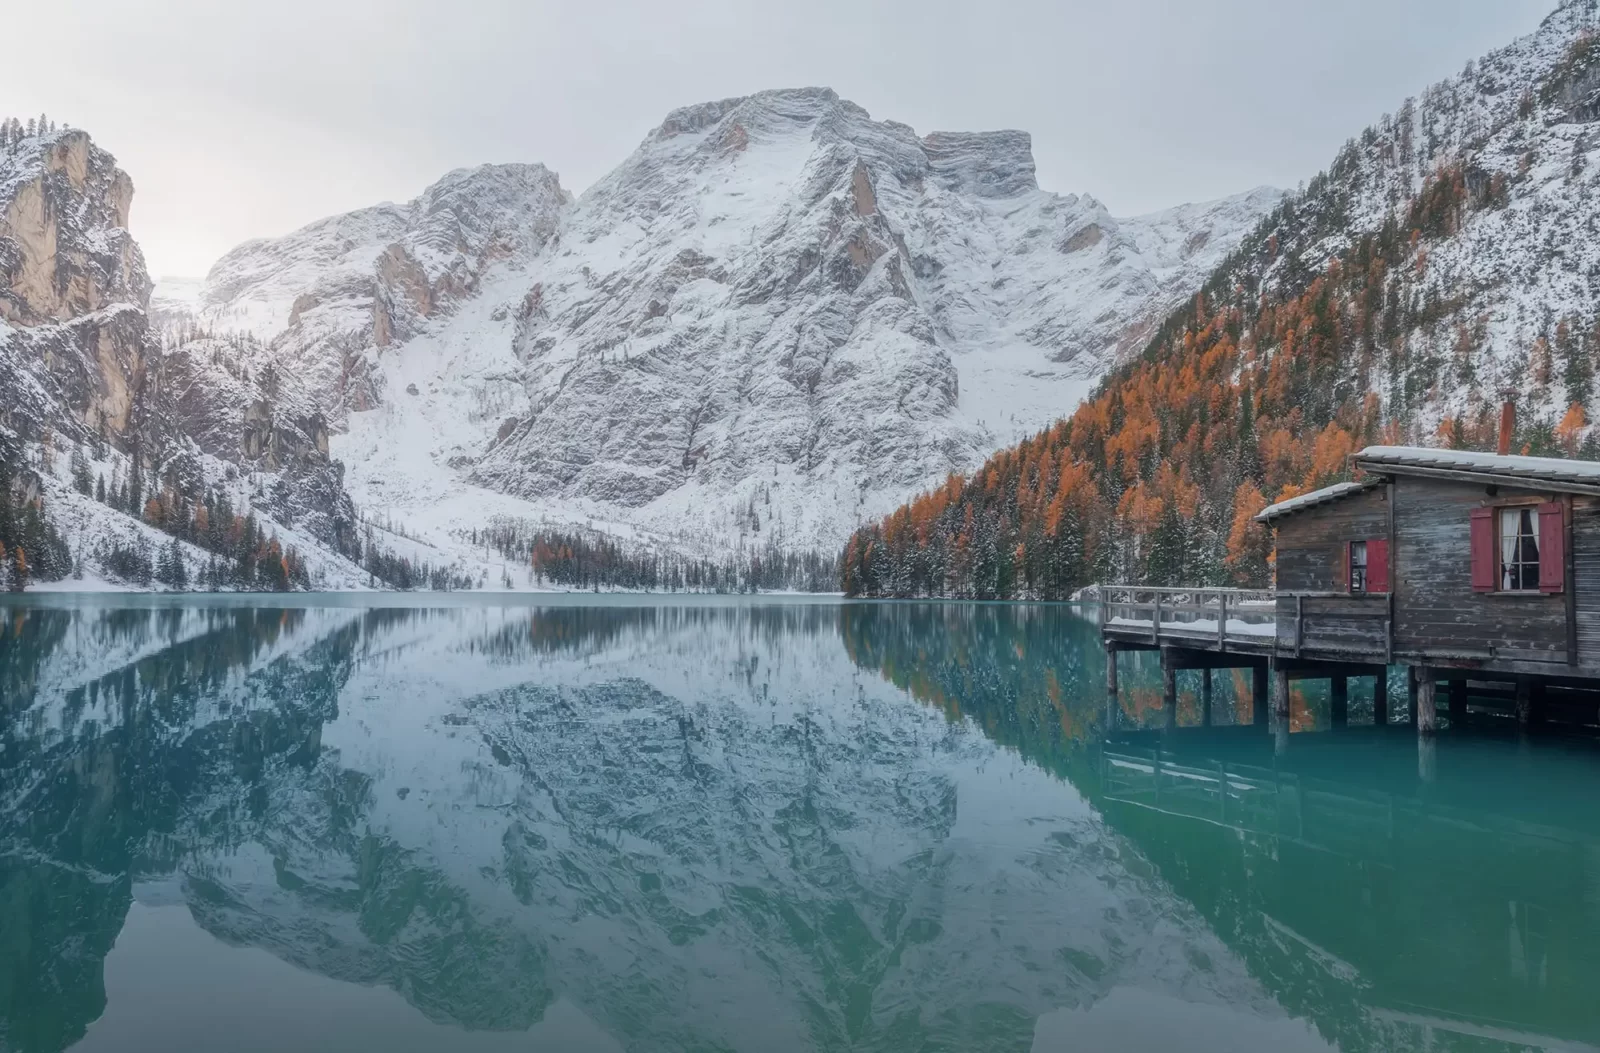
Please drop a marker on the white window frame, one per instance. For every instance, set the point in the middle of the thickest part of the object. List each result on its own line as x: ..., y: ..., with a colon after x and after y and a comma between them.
x: 1516, y: 536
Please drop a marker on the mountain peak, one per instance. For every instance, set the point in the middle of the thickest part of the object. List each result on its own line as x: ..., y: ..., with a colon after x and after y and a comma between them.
x: 796, y: 105
x: 985, y: 164
x: 64, y: 245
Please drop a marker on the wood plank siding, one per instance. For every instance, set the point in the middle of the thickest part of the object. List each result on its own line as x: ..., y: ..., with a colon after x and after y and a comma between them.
x: 1586, y: 579
x: 1436, y: 608
x: 1311, y: 544
x: 1311, y: 559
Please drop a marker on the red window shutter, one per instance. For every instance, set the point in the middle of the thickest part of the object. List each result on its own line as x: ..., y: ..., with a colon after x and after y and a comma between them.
x: 1483, y: 561
x: 1378, y: 566
x: 1552, y: 548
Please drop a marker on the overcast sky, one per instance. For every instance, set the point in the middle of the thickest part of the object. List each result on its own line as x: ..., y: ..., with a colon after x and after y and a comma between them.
x: 239, y: 120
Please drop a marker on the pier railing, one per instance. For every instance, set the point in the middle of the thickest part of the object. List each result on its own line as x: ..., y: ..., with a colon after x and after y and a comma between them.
x: 1216, y: 617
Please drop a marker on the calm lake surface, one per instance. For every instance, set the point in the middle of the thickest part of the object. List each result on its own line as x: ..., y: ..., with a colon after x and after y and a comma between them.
x: 623, y: 824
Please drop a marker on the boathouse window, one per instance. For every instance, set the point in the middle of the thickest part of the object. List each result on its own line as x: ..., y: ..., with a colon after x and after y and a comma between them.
x: 1366, y: 565
x: 1519, y: 549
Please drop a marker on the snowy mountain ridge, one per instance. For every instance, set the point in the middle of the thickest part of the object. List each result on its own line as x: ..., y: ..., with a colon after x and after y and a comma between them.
x: 776, y: 318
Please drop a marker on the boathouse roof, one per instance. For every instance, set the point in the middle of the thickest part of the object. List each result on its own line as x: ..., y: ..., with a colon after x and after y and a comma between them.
x: 1555, y: 473
x: 1314, y: 498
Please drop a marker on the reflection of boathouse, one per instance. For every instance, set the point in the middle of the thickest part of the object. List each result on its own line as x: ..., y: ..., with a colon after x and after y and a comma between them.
x: 1317, y: 865
x: 1477, y: 571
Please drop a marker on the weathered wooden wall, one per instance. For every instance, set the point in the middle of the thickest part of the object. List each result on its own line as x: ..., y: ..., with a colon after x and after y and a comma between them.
x: 1311, y: 544
x: 1436, y: 608
x: 1586, y: 577
x: 1311, y: 558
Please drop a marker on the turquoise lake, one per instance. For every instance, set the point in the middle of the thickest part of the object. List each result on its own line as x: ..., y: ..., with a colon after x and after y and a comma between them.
x: 624, y: 823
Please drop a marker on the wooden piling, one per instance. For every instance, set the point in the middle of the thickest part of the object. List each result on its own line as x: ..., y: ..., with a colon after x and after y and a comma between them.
x: 1427, y: 714
x: 1280, y: 690
x: 1524, y: 701
x: 1412, y: 690
x: 1258, y: 695
x: 1205, y: 697
x: 1339, y: 692
x: 1380, y: 698
x: 1458, y: 700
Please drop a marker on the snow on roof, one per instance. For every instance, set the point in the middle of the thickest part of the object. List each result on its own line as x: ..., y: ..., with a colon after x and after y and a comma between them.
x: 1559, y: 471
x: 1315, y: 497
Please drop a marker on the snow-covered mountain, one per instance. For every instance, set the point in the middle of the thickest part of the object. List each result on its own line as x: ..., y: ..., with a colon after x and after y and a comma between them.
x: 777, y: 317
x: 1446, y: 261
x: 1479, y: 197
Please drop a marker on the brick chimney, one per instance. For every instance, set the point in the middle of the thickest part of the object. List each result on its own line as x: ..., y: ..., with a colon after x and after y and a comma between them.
x: 1508, y: 424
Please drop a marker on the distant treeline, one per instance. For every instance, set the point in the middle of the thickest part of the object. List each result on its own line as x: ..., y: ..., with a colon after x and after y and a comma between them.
x: 242, y: 554
x: 30, y: 546
x: 585, y: 561
x: 408, y: 574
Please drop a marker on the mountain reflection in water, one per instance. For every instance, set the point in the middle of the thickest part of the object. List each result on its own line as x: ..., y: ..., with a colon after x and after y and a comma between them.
x: 745, y: 826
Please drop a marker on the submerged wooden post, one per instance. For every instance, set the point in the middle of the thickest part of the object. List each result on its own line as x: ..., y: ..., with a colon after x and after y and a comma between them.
x: 1380, y: 698
x: 1169, y: 689
x: 1112, y: 702
x: 1427, y: 758
x: 1205, y: 697
x: 1258, y: 694
x: 1458, y: 700
x: 1339, y: 692
x: 1426, y: 709
x: 1280, y: 709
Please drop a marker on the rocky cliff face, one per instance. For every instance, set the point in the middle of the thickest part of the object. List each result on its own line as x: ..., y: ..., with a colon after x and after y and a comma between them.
x: 778, y: 315
x: 84, y: 375
x: 75, y: 347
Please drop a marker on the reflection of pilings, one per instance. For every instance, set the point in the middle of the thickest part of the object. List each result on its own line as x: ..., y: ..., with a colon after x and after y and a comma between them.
x: 1427, y: 757
x: 1169, y: 689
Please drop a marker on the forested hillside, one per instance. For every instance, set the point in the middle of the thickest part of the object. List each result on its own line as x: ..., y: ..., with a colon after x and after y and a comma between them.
x: 1447, y: 259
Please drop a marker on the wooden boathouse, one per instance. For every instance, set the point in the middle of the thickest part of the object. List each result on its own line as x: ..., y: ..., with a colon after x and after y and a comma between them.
x: 1478, y: 573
